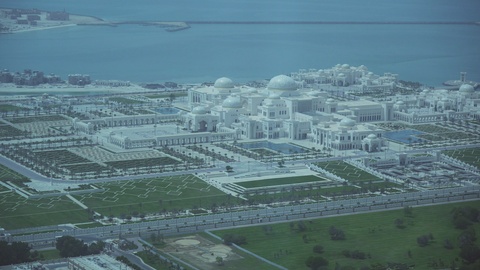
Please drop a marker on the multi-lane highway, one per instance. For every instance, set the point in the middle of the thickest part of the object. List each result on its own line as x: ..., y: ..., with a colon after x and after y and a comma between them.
x: 192, y: 224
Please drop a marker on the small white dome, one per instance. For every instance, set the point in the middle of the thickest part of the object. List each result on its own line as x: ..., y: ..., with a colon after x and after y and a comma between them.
x: 223, y: 82
x: 466, y: 88
x: 372, y: 136
x: 341, y: 75
x: 400, y: 102
x: 313, y: 93
x: 274, y: 96
x: 362, y: 67
x: 345, y: 66
x: 330, y: 100
x: 445, y: 99
x: 232, y: 102
x: 347, y: 122
x: 199, y: 110
x: 282, y: 82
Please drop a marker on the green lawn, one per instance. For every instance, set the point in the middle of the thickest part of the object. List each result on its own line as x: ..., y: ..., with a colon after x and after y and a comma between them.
x: 470, y: 156
x: 280, y: 181
x: 347, y: 171
x: 372, y: 233
x: 19, y: 212
x: 49, y: 254
x: 9, y: 175
x: 154, y: 196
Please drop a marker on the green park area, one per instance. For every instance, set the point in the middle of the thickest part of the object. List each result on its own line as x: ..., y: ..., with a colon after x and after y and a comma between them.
x: 19, y: 212
x: 322, y: 193
x: 126, y: 101
x: 33, y: 119
x: 433, y: 237
x: 348, y: 172
x: 6, y: 174
x: 470, y: 155
x: 281, y: 181
x: 154, y: 195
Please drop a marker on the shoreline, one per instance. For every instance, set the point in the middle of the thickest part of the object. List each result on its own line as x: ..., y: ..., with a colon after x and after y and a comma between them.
x: 12, y: 89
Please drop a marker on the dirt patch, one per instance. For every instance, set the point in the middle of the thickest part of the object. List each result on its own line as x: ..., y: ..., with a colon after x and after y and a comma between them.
x: 199, y: 251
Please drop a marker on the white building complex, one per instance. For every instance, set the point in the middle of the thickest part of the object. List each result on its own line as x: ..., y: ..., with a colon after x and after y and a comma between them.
x: 295, y: 107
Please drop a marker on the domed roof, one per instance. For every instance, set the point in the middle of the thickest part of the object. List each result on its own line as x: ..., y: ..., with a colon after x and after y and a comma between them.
x: 274, y: 96
x: 223, y: 82
x: 362, y: 67
x: 372, y: 136
x: 346, y: 66
x: 199, y: 110
x: 347, y: 122
x: 232, y: 102
x: 282, y: 82
x: 330, y: 100
x: 445, y: 99
x: 400, y: 102
x: 313, y: 93
x: 341, y: 75
x: 466, y: 88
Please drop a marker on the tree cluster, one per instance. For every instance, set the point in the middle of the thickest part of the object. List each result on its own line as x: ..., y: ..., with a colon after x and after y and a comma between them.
x: 316, y: 263
x: 355, y: 254
x: 424, y: 240
x: 463, y: 217
x: 229, y: 239
x: 336, y: 234
x: 69, y: 246
x: 16, y: 252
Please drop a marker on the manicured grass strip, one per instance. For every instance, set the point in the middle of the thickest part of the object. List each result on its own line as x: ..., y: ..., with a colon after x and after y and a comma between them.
x: 470, y: 156
x: 49, y: 254
x: 347, y: 171
x: 6, y: 174
x: 280, y: 181
x: 155, y: 195
x: 372, y: 233
x: 19, y: 212
x: 32, y: 119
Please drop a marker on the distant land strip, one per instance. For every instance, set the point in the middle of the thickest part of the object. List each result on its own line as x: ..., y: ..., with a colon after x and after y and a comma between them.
x: 331, y: 22
x: 183, y: 25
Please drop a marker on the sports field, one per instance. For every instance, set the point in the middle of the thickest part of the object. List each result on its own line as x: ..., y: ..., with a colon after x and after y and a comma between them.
x: 375, y: 234
x: 281, y: 181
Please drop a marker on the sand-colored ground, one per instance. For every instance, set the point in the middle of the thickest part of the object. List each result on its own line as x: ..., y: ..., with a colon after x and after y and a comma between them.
x: 199, y: 251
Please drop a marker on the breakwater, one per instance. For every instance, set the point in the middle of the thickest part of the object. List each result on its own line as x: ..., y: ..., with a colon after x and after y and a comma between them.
x: 334, y: 22
x: 183, y: 25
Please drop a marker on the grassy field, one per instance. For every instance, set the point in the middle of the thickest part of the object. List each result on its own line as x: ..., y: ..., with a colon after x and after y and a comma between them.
x: 8, y: 175
x: 347, y: 171
x: 470, y: 156
x: 372, y: 233
x: 321, y: 193
x: 154, y: 195
x: 19, y: 212
x: 280, y: 181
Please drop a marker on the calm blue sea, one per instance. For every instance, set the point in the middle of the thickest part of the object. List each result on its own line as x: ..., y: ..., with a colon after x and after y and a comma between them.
x: 427, y: 53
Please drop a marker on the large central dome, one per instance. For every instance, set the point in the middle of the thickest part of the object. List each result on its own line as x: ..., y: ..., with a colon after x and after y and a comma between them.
x: 282, y: 82
x: 223, y: 82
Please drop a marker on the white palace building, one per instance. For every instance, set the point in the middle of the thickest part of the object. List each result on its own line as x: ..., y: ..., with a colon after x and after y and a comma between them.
x: 286, y: 109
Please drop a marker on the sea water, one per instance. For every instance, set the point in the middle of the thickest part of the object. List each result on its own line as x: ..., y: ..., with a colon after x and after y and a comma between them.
x: 430, y: 54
